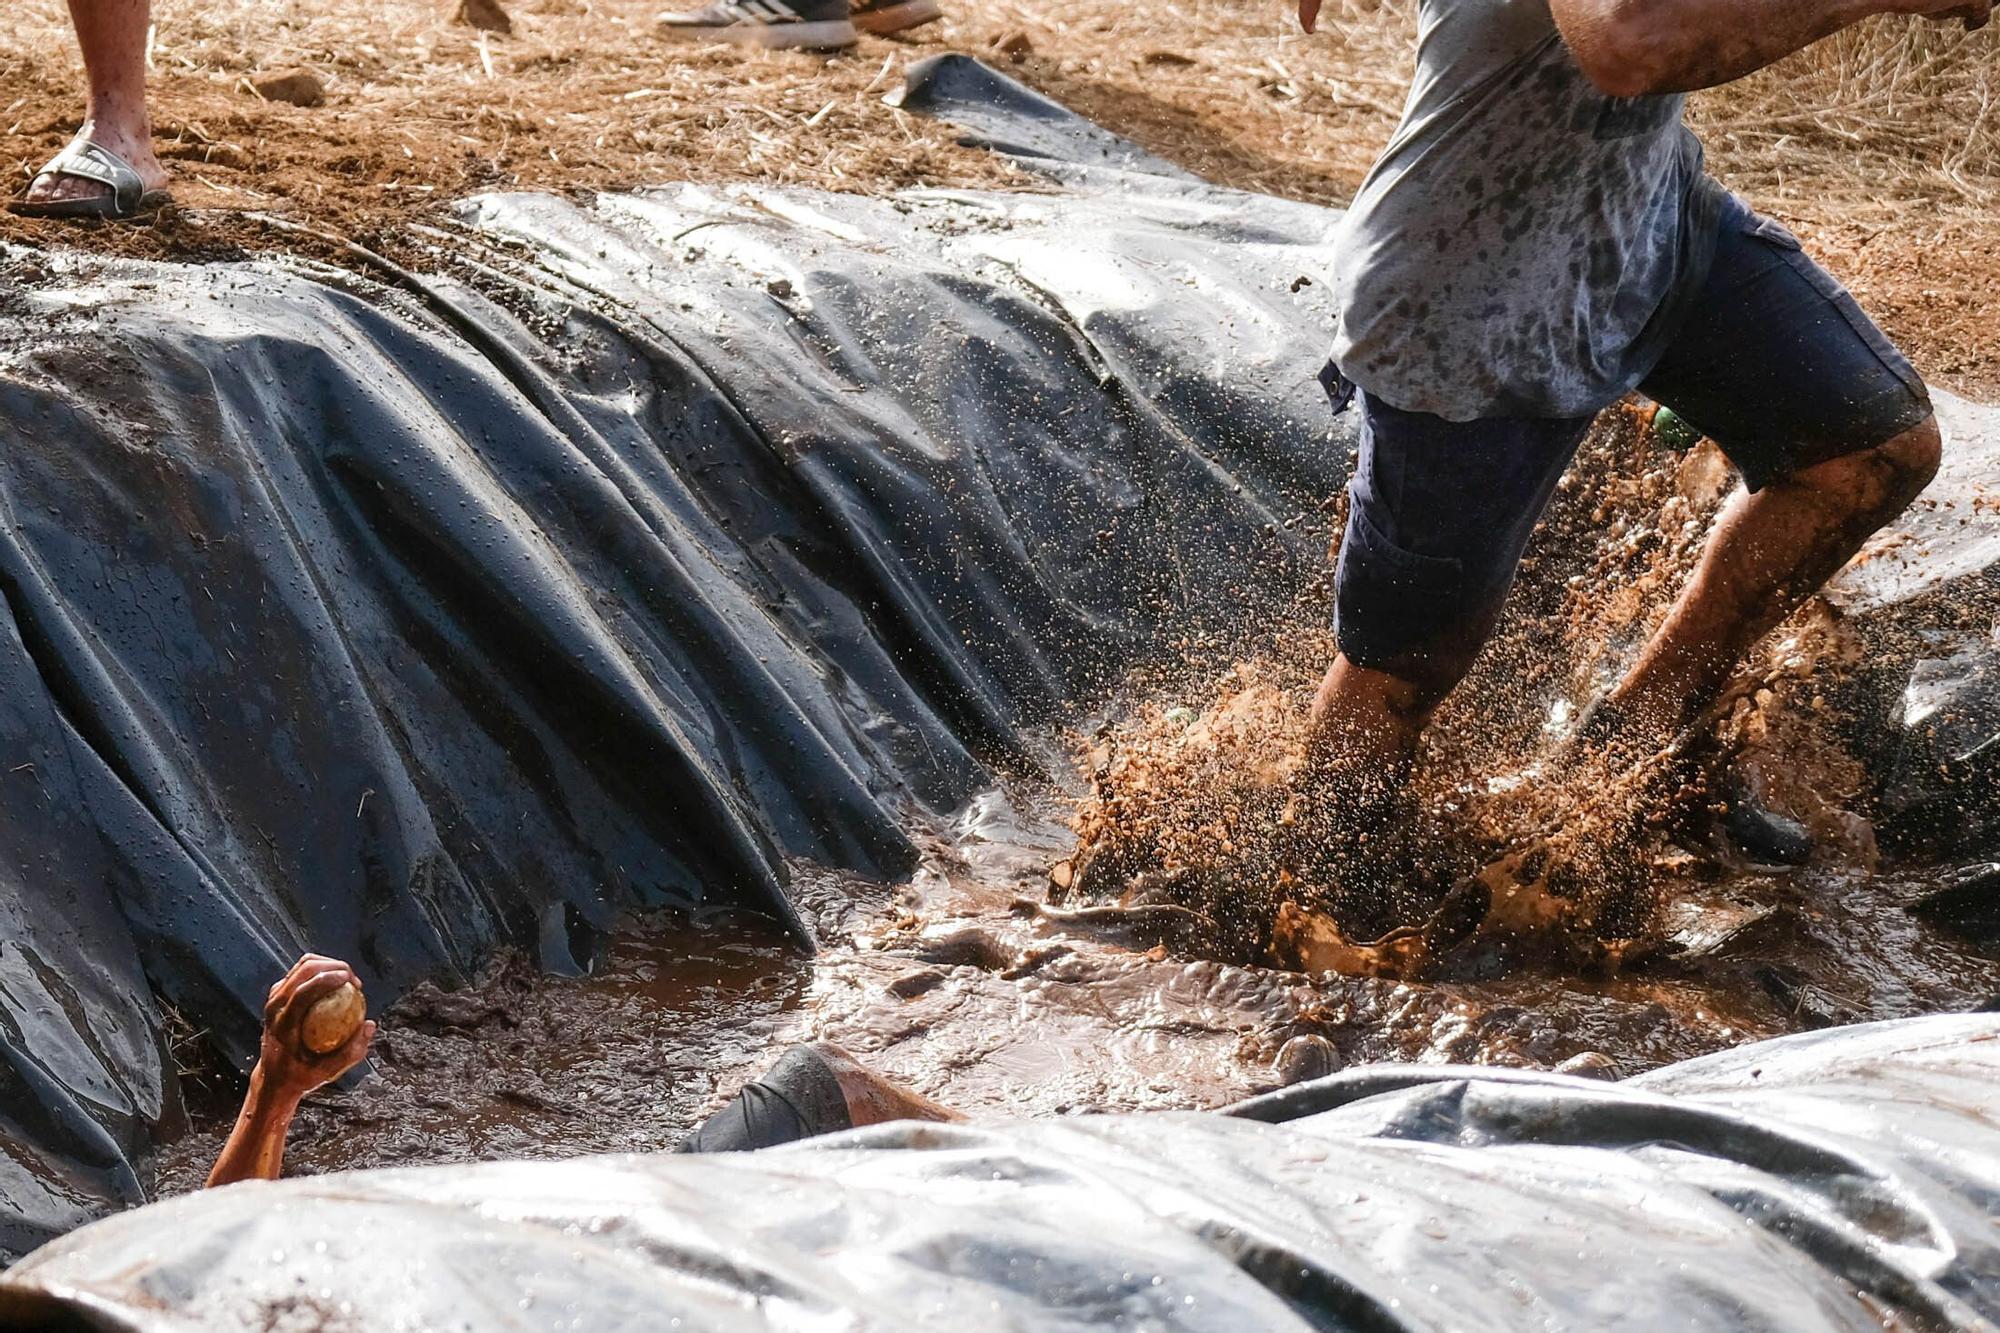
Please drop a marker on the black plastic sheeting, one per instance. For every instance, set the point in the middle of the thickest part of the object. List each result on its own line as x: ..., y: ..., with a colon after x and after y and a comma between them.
x: 398, y: 620
x: 1844, y: 1180
x: 401, y: 619
x: 995, y: 112
x: 1941, y: 785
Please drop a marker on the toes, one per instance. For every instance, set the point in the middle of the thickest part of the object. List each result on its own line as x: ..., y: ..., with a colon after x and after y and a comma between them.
x: 62, y: 189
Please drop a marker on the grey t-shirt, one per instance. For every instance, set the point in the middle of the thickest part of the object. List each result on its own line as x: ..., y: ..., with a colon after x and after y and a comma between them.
x: 1525, y: 243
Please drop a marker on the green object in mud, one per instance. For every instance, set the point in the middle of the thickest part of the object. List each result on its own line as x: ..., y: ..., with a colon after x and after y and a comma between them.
x: 1673, y: 430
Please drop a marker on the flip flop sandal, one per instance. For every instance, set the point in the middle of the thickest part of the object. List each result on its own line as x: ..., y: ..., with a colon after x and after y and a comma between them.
x: 86, y: 160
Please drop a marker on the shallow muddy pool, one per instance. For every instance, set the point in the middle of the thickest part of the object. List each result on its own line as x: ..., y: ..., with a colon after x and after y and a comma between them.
x: 958, y: 984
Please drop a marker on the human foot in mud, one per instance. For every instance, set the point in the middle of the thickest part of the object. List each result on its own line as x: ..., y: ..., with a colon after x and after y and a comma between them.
x: 1207, y: 823
x: 1430, y: 553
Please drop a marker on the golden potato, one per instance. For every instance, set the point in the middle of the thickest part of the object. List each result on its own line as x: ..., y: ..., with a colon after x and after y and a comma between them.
x: 331, y: 1023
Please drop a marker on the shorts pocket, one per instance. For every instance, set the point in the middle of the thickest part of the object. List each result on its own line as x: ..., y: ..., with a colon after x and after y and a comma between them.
x: 1390, y: 563
x: 1393, y: 606
x: 1841, y: 301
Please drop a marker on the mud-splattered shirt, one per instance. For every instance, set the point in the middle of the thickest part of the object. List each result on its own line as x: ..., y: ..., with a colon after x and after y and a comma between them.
x: 1525, y: 243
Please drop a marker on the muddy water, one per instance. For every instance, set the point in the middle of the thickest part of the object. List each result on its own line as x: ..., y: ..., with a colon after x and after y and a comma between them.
x: 959, y: 985
x: 524, y: 1065
x: 965, y: 984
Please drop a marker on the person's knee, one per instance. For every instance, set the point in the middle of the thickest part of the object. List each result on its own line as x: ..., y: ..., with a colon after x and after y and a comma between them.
x: 1880, y: 482
x: 1424, y: 679
x: 1427, y: 639
x: 1912, y: 459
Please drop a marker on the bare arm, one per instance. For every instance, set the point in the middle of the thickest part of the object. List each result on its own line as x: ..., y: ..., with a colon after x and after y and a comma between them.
x: 1638, y: 48
x: 287, y: 1069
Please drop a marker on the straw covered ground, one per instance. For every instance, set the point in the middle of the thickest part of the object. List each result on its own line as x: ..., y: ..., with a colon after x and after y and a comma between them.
x: 1882, y: 147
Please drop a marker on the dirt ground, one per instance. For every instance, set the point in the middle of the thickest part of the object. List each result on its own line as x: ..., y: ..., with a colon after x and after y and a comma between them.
x: 1897, y: 189
x: 420, y: 109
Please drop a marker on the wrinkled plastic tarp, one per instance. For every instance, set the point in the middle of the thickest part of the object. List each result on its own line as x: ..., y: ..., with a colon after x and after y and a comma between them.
x: 1944, y: 785
x: 1844, y: 1180
x: 1949, y: 537
x: 1942, y: 757
x: 401, y: 619
x: 397, y: 620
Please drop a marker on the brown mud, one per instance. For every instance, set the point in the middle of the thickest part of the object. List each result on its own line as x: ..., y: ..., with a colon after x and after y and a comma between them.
x: 1510, y: 824
x: 980, y: 985
x: 961, y: 986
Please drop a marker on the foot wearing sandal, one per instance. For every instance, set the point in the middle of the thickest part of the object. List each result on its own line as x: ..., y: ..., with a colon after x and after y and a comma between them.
x: 887, y: 16
x: 811, y: 25
x: 104, y: 172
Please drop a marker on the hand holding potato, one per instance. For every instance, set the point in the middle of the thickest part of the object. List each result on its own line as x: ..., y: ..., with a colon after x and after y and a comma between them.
x: 315, y: 1027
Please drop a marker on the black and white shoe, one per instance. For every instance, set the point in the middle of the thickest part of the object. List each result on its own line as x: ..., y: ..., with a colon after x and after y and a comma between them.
x: 816, y: 25
x: 883, y: 16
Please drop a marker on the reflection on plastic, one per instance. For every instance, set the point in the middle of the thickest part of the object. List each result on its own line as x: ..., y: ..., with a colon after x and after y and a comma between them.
x: 1838, y: 1181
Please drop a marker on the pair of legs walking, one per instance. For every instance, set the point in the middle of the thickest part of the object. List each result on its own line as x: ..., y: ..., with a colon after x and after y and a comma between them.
x: 1827, y: 422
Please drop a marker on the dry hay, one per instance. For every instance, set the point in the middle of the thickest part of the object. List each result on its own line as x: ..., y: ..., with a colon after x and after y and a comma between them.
x: 420, y: 109
x: 586, y: 95
x: 1888, y: 113
x: 587, y: 92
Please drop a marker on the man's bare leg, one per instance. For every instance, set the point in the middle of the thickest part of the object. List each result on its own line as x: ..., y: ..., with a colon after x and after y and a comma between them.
x: 1365, y: 727
x: 1767, y: 554
x: 112, y: 34
x: 873, y: 1099
x: 287, y: 1070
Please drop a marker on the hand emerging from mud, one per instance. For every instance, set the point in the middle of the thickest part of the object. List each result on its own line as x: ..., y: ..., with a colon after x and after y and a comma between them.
x: 289, y: 1066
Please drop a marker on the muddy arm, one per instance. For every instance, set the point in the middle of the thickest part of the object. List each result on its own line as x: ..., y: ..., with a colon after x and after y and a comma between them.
x: 256, y: 1147
x: 1638, y: 48
x: 287, y: 1069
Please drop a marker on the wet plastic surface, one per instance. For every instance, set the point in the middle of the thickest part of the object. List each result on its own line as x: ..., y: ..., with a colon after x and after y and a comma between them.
x: 397, y: 622
x: 1942, y: 777
x: 1841, y: 1180
x: 710, y: 527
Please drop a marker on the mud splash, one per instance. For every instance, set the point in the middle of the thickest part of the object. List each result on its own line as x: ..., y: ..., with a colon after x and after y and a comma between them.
x: 965, y: 985
x: 1514, y: 831
x: 981, y: 986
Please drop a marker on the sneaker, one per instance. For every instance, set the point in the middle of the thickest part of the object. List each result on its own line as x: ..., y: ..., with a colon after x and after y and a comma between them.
x: 883, y: 16
x: 817, y: 25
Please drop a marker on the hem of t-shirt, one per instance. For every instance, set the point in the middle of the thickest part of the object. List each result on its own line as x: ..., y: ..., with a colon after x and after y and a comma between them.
x: 1701, y: 229
x: 1701, y: 222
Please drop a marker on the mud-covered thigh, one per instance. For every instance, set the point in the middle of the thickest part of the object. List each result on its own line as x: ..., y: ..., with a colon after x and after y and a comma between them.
x: 1777, y: 364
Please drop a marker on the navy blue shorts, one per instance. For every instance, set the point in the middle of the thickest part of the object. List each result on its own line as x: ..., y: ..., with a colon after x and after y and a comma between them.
x: 1775, y: 363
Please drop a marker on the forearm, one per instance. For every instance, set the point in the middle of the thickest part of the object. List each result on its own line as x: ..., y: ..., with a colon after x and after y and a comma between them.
x: 1634, y: 48
x: 256, y: 1147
